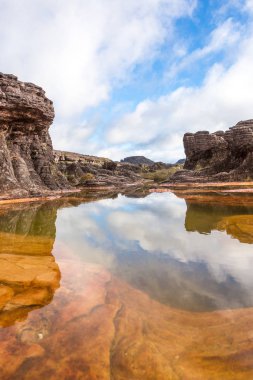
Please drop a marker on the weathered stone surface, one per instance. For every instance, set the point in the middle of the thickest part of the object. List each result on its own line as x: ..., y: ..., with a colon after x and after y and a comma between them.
x: 219, y: 156
x: 27, y: 164
x: 90, y: 171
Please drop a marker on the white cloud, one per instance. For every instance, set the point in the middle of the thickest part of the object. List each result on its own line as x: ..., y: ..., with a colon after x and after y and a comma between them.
x: 225, y: 36
x: 100, y: 232
x: 158, y: 227
x: 76, y: 49
x: 249, y: 5
x: 224, y: 97
x: 79, y: 51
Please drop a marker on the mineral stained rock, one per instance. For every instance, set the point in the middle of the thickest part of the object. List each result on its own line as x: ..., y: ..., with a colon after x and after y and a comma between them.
x: 27, y: 165
x: 219, y: 156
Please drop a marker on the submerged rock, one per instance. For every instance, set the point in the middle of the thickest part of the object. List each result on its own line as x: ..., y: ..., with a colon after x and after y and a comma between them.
x: 99, y: 327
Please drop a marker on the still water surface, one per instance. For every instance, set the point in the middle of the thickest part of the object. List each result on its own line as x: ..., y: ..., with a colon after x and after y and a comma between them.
x: 158, y: 287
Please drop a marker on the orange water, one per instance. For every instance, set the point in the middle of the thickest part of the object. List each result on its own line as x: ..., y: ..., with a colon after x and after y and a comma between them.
x: 128, y: 288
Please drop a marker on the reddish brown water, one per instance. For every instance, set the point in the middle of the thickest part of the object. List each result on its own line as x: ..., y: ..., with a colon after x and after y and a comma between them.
x: 149, y: 288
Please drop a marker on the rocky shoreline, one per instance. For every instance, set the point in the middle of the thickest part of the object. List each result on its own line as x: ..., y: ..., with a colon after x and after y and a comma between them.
x: 29, y: 166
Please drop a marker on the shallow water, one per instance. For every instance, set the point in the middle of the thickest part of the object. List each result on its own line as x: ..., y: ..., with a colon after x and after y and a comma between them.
x: 158, y: 287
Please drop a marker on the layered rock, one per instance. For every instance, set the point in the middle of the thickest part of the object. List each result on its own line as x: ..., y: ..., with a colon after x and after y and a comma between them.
x: 85, y: 170
x: 27, y: 164
x: 218, y: 156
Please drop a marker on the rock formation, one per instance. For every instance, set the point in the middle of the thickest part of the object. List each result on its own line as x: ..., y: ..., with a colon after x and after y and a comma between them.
x: 27, y: 164
x: 219, y: 156
x: 84, y: 170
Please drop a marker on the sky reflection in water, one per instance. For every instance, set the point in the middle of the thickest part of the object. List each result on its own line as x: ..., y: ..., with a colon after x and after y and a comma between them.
x: 160, y: 245
x: 79, y: 285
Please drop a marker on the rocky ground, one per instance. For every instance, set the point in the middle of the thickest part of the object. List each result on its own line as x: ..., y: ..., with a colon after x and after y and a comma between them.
x: 84, y: 171
x: 29, y: 167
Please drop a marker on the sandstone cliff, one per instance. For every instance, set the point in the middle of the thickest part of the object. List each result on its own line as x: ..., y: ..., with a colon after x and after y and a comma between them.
x: 27, y: 164
x: 219, y: 156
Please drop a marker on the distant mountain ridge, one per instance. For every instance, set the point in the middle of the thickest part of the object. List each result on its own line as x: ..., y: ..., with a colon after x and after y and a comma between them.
x: 138, y: 160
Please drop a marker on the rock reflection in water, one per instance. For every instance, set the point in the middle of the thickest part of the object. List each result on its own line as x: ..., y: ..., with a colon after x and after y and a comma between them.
x: 145, y: 242
x: 233, y: 215
x: 29, y: 275
x: 204, y: 217
x: 132, y: 280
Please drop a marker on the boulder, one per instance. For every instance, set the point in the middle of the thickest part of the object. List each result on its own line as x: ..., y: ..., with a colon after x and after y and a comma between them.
x: 219, y: 156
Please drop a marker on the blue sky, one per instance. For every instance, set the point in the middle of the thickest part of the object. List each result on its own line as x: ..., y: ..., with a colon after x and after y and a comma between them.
x: 130, y: 78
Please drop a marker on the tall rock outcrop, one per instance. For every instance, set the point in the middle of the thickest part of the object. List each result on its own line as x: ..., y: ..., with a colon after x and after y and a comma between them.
x: 27, y: 165
x: 218, y: 156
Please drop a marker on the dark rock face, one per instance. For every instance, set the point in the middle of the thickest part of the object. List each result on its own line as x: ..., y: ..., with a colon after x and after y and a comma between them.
x: 218, y: 156
x: 138, y: 160
x: 27, y: 164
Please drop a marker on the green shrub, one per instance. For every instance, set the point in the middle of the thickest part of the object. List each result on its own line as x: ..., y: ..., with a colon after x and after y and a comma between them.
x: 87, y: 177
x: 162, y: 174
x: 109, y: 165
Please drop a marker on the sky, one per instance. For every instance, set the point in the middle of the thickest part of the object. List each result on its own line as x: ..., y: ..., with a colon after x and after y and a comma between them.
x: 131, y: 77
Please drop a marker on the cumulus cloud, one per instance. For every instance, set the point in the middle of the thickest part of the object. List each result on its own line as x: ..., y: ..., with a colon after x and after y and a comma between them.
x: 104, y: 231
x: 224, y: 97
x: 81, y: 51
x: 77, y: 50
x: 157, y: 225
x: 221, y: 38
